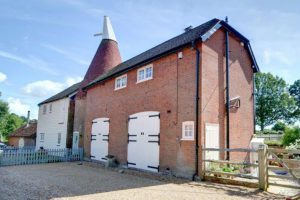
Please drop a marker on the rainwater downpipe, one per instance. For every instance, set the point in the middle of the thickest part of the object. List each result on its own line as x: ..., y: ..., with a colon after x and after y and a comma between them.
x: 227, y: 95
x: 197, y: 110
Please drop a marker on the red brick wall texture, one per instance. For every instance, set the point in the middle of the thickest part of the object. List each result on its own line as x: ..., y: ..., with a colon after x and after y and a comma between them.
x: 172, y: 93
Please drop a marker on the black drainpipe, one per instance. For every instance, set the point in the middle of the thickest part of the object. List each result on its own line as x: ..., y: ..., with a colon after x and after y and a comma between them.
x: 227, y: 93
x: 196, y: 108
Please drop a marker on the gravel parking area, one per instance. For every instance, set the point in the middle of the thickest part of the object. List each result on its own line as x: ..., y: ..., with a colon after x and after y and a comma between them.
x: 90, y: 181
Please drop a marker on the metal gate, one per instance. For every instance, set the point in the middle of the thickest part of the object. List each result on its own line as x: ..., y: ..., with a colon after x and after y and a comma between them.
x: 99, y: 139
x: 143, y: 141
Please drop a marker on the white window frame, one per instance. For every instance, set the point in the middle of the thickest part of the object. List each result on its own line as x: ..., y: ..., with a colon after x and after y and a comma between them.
x: 144, y: 69
x: 191, y: 131
x: 121, y: 78
x: 58, y: 139
x: 42, y: 137
x: 44, y: 109
x: 50, y: 108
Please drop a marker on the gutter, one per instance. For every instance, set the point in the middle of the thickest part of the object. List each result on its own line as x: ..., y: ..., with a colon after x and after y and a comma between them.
x: 197, y: 110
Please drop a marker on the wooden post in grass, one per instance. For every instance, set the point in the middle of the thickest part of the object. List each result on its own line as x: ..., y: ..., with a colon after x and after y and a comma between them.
x: 263, y: 167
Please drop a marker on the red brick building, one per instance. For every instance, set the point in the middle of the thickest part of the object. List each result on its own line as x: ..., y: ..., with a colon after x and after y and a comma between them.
x: 155, y: 110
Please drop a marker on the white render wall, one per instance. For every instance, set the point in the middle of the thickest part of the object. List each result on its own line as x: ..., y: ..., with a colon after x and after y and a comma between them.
x: 53, y: 123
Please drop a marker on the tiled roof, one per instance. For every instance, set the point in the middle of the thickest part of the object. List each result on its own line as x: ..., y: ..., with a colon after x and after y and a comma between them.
x: 25, y: 131
x: 171, y: 45
x: 62, y: 94
x: 167, y: 46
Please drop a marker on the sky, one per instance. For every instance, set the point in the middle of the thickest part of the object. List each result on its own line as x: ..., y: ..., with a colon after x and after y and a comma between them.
x: 46, y: 46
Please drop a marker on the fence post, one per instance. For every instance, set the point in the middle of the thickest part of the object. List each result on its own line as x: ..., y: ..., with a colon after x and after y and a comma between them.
x: 263, y: 167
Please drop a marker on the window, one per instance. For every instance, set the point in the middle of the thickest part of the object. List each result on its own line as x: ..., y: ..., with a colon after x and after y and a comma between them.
x: 121, y: 82
x: 58, y: 139
x: 44, y: 109
x: 145, y: 73
x: 50, y: 108
x: 42, y: 137
x: 188, y: 130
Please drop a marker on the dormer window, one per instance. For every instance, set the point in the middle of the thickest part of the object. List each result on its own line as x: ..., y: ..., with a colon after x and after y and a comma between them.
x: 145, y: 73
x: 121, y: 82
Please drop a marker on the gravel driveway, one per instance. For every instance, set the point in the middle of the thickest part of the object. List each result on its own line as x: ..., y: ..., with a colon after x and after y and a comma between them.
x: 91, y: 181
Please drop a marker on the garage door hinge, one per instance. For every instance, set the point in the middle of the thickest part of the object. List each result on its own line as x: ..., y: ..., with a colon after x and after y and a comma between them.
x: 93, y: 139
x: 92, y: 156
x: 93, y: 122
x: 130, y: 163
x: 158, y: 115
x: 152, y: 167
x: 104, y: 158
x: 131, y: 118
x: 105, y: 140
x: 128, y: 140
x: 106, y: 120
x: 153, y: 141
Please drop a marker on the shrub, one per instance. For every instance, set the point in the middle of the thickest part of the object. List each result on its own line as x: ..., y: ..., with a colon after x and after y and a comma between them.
x: 279, y: 126
x: 290, y: 136
x: 273, y: 143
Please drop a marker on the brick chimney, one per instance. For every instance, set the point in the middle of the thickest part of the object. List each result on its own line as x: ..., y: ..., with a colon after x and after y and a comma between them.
x: 106, y: 57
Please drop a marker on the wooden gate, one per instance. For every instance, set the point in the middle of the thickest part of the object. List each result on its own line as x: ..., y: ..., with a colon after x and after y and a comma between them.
x: 283, y: 168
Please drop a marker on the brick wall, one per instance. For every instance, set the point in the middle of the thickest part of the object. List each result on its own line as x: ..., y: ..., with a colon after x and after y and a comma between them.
x: 214, y: 87
x: 172, y: 93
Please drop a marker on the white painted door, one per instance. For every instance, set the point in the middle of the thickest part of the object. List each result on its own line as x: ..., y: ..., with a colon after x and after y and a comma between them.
x: 75, y: 142
x: 212, y: 140
x: 99, y: 139
x: 21, y: 142
x: 143, y: 141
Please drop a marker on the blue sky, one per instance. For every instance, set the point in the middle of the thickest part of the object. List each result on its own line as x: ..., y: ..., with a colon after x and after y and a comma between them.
x: 47, y: 45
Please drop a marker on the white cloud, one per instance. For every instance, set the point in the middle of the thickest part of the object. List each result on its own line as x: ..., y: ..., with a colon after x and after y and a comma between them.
x: 47, y: 88
x: 72, y: 80
x: 42, y: 88
x: 17, y: 106
x: 3, y: 77
x: 31, y: 61
x: 67, y: 54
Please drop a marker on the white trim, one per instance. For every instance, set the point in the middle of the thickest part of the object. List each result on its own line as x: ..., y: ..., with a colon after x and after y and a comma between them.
x: 184, y: 124
x: 144, y: 79
x: 120, y: 78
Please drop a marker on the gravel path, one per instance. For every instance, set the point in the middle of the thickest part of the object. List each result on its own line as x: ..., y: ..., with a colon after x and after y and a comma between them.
x: 90, y: 181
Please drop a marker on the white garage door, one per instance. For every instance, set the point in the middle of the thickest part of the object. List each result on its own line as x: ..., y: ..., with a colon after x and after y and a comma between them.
x: 99, y: 139
x: 143, y: 141
x: 212, y: 140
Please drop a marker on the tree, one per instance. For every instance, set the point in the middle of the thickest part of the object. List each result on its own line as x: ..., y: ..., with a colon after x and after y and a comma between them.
x: 4, y: 112
x: 273, y: 102
x: 279, y: 126
x: 9, y: 122
x: 13, y: 122
x: 295, y: 92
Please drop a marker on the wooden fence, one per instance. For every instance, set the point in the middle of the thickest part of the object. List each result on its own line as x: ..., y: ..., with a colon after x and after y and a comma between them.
x: 267, y: 165
x: 25, y: 156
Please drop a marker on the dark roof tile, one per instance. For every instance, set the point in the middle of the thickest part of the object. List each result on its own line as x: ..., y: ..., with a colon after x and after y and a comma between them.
x: 62, y: 94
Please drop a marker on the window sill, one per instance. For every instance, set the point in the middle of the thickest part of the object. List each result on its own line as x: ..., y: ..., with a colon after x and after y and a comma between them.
x: 187, y: 139
x: 120, y: 88
x: 148, y: 79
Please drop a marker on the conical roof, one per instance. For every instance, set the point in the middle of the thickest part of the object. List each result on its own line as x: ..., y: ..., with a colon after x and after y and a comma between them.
x: 107, y: 56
